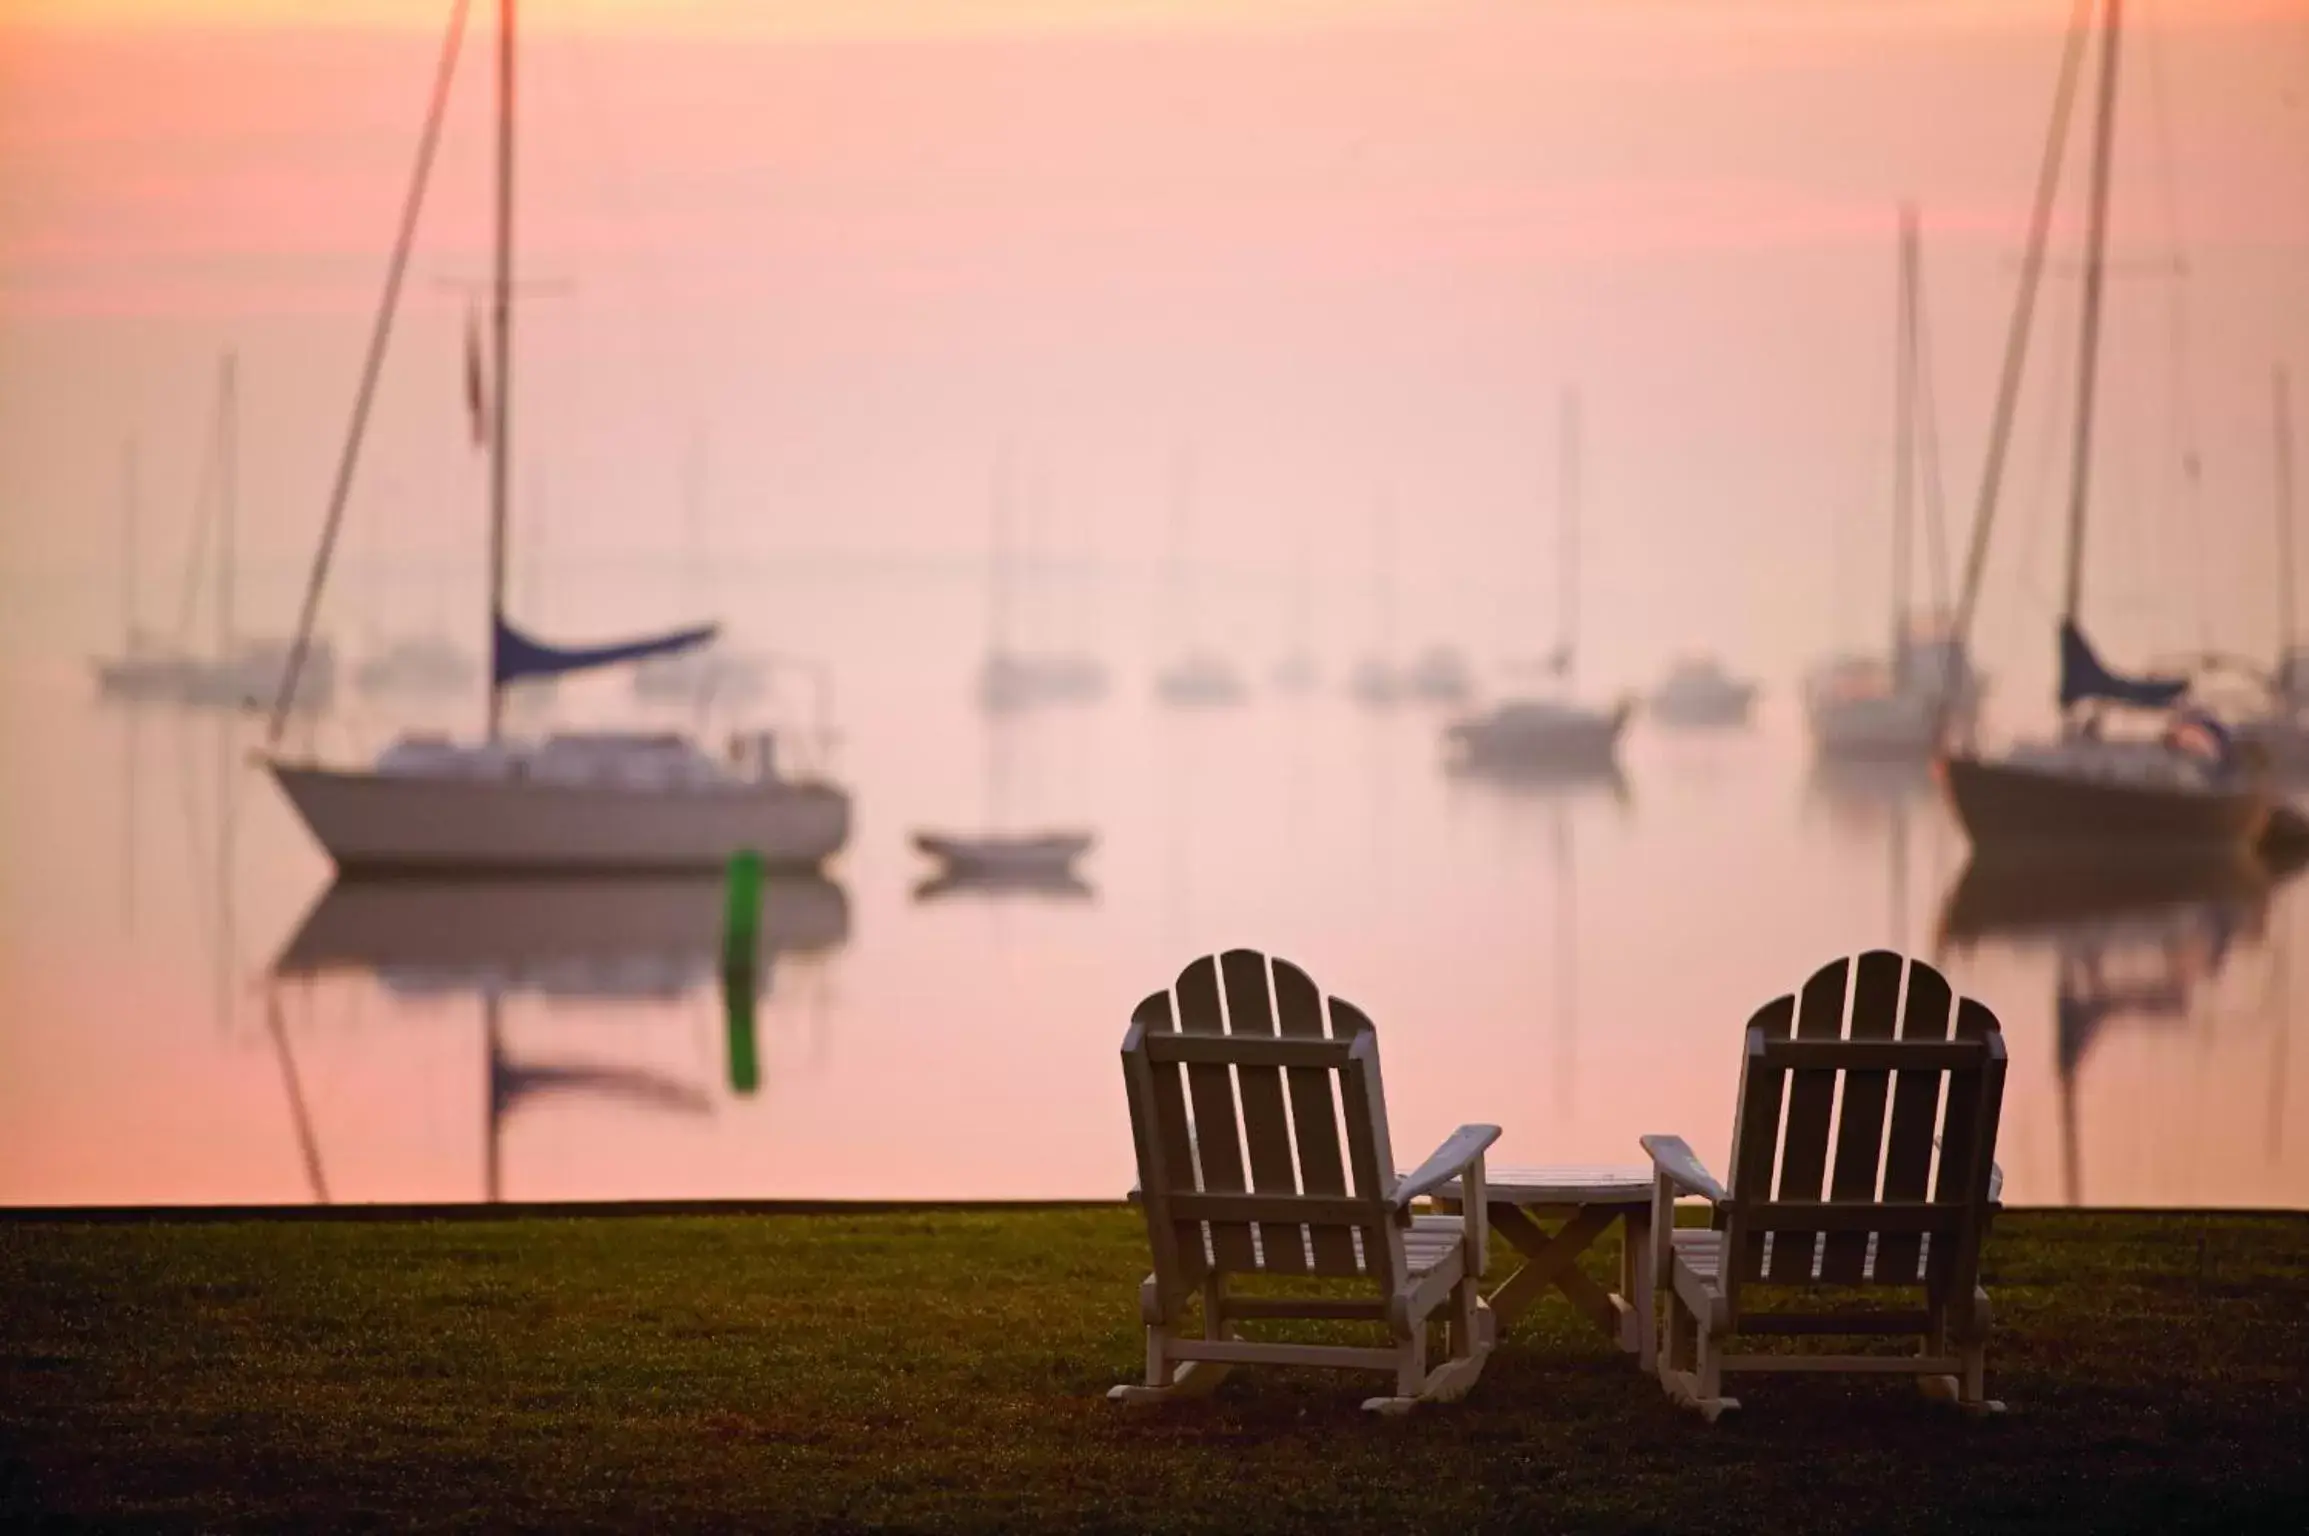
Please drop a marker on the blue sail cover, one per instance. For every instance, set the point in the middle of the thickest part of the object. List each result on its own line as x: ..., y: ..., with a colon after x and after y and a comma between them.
x: 515, y: 656
x: 2083, y: 677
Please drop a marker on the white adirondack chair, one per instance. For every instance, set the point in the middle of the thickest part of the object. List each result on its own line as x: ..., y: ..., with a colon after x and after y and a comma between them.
x: 1225, y: 1084
x: 1895, y: 1216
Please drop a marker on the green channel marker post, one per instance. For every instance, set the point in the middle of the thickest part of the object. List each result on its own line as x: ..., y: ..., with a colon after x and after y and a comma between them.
x: 741, y: 965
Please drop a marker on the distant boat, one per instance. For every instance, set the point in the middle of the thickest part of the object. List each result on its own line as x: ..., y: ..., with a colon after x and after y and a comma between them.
x: 1006, y: 855
x: 1012, y: 677
x: 1297, y: 671
x: 251, y: 674
x: 1376, y: 682
x: 2093, y: 793
x: 1927, y: 691
x: 241, y: 673
x: 1562, y: 734
x: 1699, y: 693
x: 417, y: 666
x: 610, y: 802
x: 147, y: 666
x: 1201, y: 679
x: 1539, y: 734
x: 1439, y: 675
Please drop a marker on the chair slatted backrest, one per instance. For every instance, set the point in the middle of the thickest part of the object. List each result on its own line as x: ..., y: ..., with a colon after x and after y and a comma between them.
x: 1865, y: 1133
x: 1261, y: 1128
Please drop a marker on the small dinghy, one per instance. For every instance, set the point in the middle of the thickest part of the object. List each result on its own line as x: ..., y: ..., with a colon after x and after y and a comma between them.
x: 1000, y: 856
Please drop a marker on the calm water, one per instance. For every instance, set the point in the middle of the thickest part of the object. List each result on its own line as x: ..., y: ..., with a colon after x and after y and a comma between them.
x: 193, y: 1015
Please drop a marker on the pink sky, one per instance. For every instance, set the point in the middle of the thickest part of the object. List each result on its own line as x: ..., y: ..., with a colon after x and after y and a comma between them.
x: 1334, y: 243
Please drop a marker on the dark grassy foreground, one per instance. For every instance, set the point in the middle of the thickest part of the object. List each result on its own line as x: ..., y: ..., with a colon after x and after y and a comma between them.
x: 946, y: 1371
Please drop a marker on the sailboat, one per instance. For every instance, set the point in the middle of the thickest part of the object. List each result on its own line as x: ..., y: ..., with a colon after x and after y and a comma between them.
x: 1440, y: 675
x: 613, y: 801
x: 1200, y: 677
x: 146, y: 666
x: 1074, y: 676
x: 1008, y: 678
x: 1297, y: 671
x: 1558, y: 735
x: 2282, y: 732
x: 995, y: 857
x: 1376, y: 681
x: 1699, y: 694
x: 242, y: 673
x: 2184, y: 791
x: 1901, y: 707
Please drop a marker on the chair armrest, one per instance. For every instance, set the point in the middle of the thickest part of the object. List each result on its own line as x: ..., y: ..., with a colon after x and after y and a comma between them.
x: 1995, y: 1177
x: 1679, y: 1166
x: 1459, y: 1149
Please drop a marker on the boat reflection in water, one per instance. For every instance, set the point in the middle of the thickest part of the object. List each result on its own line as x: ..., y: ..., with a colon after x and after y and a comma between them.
x: 2133, y: 943
x: 991, y: 882
x: 648, y: 942
x: 1539, y: 779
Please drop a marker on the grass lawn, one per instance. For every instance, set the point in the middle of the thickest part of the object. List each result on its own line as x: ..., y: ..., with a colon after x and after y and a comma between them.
x: 946, y: 1370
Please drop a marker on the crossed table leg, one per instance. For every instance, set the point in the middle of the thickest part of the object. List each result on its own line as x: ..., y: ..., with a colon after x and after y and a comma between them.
x: 1585, y: 1202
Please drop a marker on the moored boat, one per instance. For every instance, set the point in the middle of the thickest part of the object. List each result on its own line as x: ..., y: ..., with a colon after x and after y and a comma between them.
x: 611, y: 802
x: 1699, y: 694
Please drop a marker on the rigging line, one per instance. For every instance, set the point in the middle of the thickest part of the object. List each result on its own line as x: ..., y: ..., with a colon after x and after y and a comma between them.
x: 1928, y: 456
x: 2016, y: 338
x: 2096, y: 277
x: 2181, y: 415
x: 204, y: 499
x: 300, y: 1114
x: 388, y: 306
x: 617, y: 182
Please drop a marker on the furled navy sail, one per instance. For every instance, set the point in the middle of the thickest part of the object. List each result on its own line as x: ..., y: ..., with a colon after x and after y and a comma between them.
x: 516, y: 656
x: 2082, y: 677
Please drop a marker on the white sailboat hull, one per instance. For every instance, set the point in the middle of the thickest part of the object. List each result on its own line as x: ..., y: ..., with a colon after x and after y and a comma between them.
x: 382, y: 822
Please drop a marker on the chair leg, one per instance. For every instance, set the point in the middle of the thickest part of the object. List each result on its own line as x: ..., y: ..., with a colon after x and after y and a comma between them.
x: 1169, y: 1380
x: 1690, y: 1366
x: 1411, y: 1380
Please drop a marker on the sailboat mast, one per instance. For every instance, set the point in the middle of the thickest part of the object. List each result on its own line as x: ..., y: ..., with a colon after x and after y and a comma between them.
x: 2281, y: 390
x: 1903, y: 432
x: 998, y: 563
x: 1567, y: 554
x: 1383, y: 570
x: 129, y: 496
x: 501, y: 327
x: 228, y: 495
x: 2089, y: 338
x: 693, y: 496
